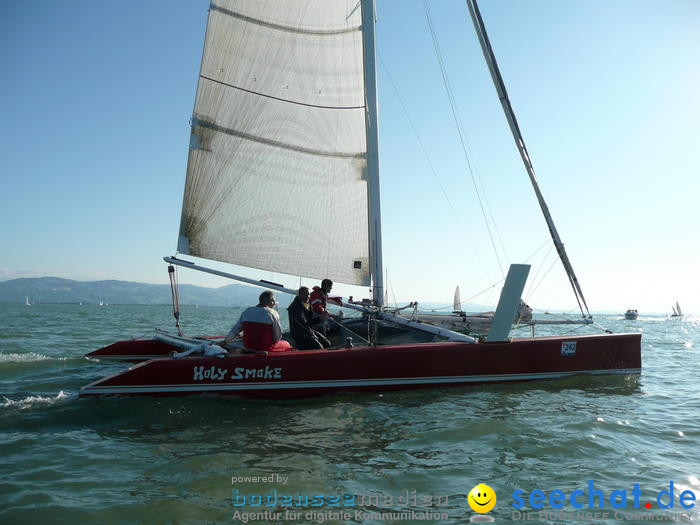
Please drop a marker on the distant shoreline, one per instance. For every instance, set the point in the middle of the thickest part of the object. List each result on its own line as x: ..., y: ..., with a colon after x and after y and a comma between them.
x: 117, y: 304
x: 196, y: 305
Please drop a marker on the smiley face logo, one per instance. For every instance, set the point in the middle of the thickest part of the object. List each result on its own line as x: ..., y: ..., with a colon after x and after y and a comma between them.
x: 482, y: 498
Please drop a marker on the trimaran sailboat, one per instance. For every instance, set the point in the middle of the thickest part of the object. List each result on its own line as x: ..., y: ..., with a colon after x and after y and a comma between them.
x: 285, y: 111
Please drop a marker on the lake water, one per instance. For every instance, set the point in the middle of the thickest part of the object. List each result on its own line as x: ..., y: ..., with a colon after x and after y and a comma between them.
x: 72, y: 461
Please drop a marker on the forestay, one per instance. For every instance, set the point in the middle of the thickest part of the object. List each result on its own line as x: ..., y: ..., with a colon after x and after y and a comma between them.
x: 276, y: 176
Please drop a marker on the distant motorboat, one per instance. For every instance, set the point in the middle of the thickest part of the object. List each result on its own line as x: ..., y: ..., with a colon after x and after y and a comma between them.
x: 677, y: 312
x: 631, y: 314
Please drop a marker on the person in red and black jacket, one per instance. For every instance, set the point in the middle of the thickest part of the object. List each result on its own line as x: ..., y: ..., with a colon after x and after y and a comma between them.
x: 319, y: 302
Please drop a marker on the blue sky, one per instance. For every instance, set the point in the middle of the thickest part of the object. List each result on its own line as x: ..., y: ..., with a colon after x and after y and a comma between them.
x: 97, y: 98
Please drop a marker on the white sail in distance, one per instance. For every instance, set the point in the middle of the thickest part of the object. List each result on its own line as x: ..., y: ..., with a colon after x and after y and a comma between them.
x: 277, y: 171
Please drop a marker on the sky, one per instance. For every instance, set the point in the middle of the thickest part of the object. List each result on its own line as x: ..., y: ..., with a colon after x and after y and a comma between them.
x: 97, y: 98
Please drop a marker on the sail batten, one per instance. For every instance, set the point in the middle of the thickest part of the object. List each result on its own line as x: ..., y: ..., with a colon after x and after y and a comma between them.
x: 262, y: 140
x: 277, y: 175
x: 280, y: 27
x: 277, y: 98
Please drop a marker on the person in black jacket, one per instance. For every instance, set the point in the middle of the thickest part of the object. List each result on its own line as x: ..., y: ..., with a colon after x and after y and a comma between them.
x: 300, y: 316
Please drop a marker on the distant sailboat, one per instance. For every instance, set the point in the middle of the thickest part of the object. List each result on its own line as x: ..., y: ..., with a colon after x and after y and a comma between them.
x: 677, y: 312
x: 474, y: 323
x: 26, y: 301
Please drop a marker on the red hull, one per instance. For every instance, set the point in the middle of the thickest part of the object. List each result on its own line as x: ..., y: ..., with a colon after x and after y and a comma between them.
x: 316, y: 373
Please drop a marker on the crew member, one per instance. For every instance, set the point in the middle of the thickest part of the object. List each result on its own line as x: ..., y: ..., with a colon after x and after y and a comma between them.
x: 261, y: 326
x: 300, y: 316
x: 319, y: 302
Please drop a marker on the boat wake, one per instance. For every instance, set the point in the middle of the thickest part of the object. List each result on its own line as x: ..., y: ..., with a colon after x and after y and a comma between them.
x: 32, y: 401
x: 25, y: 358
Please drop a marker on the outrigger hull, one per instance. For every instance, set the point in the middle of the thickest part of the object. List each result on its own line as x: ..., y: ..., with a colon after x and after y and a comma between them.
x: 300, y: 374
x: 140, y: 349
x: 133, y: 350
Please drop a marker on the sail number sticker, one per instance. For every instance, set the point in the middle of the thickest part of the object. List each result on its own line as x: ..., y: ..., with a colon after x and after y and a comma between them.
x: 568, y: 348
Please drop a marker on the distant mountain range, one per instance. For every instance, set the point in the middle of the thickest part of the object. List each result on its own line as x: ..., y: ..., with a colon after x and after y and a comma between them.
x: 57, y: 290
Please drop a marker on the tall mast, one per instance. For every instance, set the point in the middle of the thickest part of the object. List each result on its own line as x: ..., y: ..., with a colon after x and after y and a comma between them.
x: 520, y: 143
x: 372, y: 133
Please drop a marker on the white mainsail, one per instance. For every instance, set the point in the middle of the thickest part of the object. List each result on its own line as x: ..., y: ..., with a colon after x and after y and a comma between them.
x: 277, y: 172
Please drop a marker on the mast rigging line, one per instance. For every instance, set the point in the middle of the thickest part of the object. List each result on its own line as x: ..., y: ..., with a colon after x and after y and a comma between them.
x: 531, y: 288
x: 350, y: 331
x: 488, y: 289
x: 522, y: 149
x: 536, y: 286
x: 453, y: 107
x: 431, y: 165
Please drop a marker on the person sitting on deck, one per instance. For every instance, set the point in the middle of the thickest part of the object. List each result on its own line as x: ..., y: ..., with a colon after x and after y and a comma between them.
x: 261, y: 327
x: 319, y: 301
x: 300, y: 317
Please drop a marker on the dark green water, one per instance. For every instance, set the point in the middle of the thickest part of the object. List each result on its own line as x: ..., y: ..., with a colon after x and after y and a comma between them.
x: 72, y: 461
